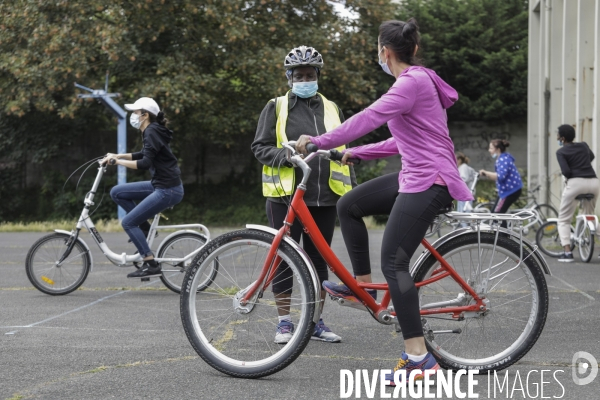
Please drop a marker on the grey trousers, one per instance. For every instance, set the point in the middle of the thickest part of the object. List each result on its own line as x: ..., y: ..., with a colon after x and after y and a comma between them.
x: 573, y: 188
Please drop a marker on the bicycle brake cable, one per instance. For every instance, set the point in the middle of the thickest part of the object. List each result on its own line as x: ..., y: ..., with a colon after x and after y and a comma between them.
x: 81, y: 166
x: 83, y: 173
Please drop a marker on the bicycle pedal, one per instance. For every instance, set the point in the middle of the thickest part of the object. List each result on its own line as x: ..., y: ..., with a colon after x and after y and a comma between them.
x: 145, y: 279
x: 347, y: 303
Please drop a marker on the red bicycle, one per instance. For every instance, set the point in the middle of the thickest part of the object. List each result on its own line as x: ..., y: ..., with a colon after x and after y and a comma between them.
x: 482, y: 290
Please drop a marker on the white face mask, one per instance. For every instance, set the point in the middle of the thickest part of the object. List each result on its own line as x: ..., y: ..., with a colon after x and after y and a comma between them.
x: 384, y: 65
x: 134, y: 120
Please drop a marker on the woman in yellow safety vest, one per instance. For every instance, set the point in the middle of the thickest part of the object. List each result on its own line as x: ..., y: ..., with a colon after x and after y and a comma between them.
x: 285, y: 118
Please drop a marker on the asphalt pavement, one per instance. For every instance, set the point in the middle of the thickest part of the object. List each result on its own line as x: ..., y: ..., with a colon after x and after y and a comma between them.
x: 123, y: 338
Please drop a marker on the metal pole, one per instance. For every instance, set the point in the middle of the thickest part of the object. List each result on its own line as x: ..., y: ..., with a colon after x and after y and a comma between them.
x: 121, y: 115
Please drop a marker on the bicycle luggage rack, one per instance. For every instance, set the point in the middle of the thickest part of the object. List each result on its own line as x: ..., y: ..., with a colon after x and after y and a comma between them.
x: 513, y: 221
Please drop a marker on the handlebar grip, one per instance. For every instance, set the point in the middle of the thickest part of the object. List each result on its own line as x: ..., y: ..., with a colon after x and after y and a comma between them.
x: 336, y: 155
x: 311, y: 147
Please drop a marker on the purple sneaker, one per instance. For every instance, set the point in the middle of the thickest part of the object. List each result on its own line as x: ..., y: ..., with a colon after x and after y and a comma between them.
x: 428, y: 363
x: 324, y: 334
x: 285, y: 330
x: 343, y: 291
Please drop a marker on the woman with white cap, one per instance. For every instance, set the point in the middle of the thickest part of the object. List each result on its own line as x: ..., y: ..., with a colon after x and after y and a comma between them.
x: 143, y: 200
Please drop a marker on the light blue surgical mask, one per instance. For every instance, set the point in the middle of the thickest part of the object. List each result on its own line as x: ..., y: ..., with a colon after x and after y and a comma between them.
x: 560, y: 143
x: 384, y: 65
x: 494, y: 155
x: 305, y: 89
x: 134, y: 120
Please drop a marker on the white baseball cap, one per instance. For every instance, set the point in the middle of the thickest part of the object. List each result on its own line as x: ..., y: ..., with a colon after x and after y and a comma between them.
x: 144, y: 103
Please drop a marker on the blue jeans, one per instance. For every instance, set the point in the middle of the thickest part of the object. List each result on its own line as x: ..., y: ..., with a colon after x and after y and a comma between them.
x: 150, y: 201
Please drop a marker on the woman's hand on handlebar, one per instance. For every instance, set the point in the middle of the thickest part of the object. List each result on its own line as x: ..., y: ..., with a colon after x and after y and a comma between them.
x: 110, y: 159
x: 301, y: 144
x: 345, y: 158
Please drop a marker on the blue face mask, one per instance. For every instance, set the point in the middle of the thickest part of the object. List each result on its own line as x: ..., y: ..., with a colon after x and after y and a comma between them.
x: 560, y: 144
x: 494, y: 155
x: 384, y: 65
x: 305, y: 89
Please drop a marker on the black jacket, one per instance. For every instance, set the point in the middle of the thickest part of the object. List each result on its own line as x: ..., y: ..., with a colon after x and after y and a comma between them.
x: 575, y: 160
x: 157, y: 157
x: 305, y: 117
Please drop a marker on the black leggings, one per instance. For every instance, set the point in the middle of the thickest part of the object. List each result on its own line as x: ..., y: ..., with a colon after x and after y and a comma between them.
x: 410, y: 216
x: 501, y: 206
x: 324, y: 218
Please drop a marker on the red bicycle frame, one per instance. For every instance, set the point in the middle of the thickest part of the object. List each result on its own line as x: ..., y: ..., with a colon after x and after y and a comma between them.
x: 298, y: 209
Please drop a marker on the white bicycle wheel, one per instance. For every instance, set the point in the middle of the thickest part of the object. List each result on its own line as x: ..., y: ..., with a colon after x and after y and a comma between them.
x: 239, y: 339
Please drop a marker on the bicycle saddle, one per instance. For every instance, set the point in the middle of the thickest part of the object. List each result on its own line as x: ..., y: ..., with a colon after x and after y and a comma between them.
x: 587, y: 196
x: 448, y: 208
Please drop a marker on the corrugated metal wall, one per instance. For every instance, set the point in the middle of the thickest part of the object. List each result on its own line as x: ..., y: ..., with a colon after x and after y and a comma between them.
x: 563, y: 83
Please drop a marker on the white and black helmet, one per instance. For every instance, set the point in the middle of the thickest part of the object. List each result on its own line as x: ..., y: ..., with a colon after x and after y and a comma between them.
x: 303, y: 56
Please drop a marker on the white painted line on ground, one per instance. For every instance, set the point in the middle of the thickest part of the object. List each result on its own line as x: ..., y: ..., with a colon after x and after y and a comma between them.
x: 581, y: 292
x: 80, y: 308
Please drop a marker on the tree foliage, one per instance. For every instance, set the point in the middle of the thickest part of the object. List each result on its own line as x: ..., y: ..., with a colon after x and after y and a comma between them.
x: 214, y: 64
x: 480, y: 48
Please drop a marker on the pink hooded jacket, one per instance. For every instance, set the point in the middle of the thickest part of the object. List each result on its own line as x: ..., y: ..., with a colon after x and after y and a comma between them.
x: 414, y: 109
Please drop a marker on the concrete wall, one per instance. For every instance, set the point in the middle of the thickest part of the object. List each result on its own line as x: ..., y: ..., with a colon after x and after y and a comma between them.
x: 563, y: 83
x: 473, y: 139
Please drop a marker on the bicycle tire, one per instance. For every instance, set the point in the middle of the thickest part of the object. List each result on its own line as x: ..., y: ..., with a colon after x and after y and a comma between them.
x: 546, y: 211
x: 586, y: 243
x: 548, y: 240
x: 50, y: 278
x: 236, y: 343
x: 485, y: 207
x: 505, y: 334
x: 178, y: 246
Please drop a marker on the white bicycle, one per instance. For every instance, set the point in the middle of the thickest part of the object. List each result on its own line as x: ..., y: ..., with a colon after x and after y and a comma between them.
x: 60, y: 262
x: 582, y: 234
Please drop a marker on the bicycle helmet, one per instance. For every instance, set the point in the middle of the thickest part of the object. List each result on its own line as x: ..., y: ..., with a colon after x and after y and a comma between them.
x: 303, y: 56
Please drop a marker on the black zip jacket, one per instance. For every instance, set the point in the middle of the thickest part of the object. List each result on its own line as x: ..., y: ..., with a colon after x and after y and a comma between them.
x: 157, y: 157
x: 305, y: 117
x: 575, y: 160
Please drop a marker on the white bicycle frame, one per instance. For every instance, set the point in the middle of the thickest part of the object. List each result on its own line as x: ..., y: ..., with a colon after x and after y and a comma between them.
x: 123, y: 259
x: 590, y: 219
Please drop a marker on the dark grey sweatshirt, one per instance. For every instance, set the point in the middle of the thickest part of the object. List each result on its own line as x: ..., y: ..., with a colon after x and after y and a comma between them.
x: 157, y: 157
x: 305, y: 117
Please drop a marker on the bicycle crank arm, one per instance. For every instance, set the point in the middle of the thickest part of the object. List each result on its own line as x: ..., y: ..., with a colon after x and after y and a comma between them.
x: 346, y: 303
x: 447, y: 331
x: 459, y: 301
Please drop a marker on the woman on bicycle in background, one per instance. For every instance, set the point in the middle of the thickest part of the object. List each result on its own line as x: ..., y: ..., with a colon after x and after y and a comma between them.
x: 414, y: 109
x: 575, y: 160
x: 143, y: 200
x: 300, y: 110
x: 507, y: 177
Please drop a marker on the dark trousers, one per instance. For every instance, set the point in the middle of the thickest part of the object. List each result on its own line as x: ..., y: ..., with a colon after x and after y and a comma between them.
x: 502, y: 205
x: 324, y: 218
x: 410, y: 216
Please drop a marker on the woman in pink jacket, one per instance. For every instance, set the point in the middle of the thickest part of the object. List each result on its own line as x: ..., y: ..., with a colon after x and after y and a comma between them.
x: 415, y: 110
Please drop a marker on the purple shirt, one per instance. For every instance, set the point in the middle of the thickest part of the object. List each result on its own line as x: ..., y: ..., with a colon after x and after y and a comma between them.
x: 414, y: 109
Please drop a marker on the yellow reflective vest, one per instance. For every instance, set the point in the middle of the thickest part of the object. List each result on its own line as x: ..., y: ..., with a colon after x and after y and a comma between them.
x: 277, y: 182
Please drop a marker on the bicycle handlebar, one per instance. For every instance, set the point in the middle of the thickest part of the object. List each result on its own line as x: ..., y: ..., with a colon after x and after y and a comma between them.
x: 334, y: 154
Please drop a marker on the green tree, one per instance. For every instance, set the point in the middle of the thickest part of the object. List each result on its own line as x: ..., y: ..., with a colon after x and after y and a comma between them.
x: 212, y: 65
x: 480, y: 48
